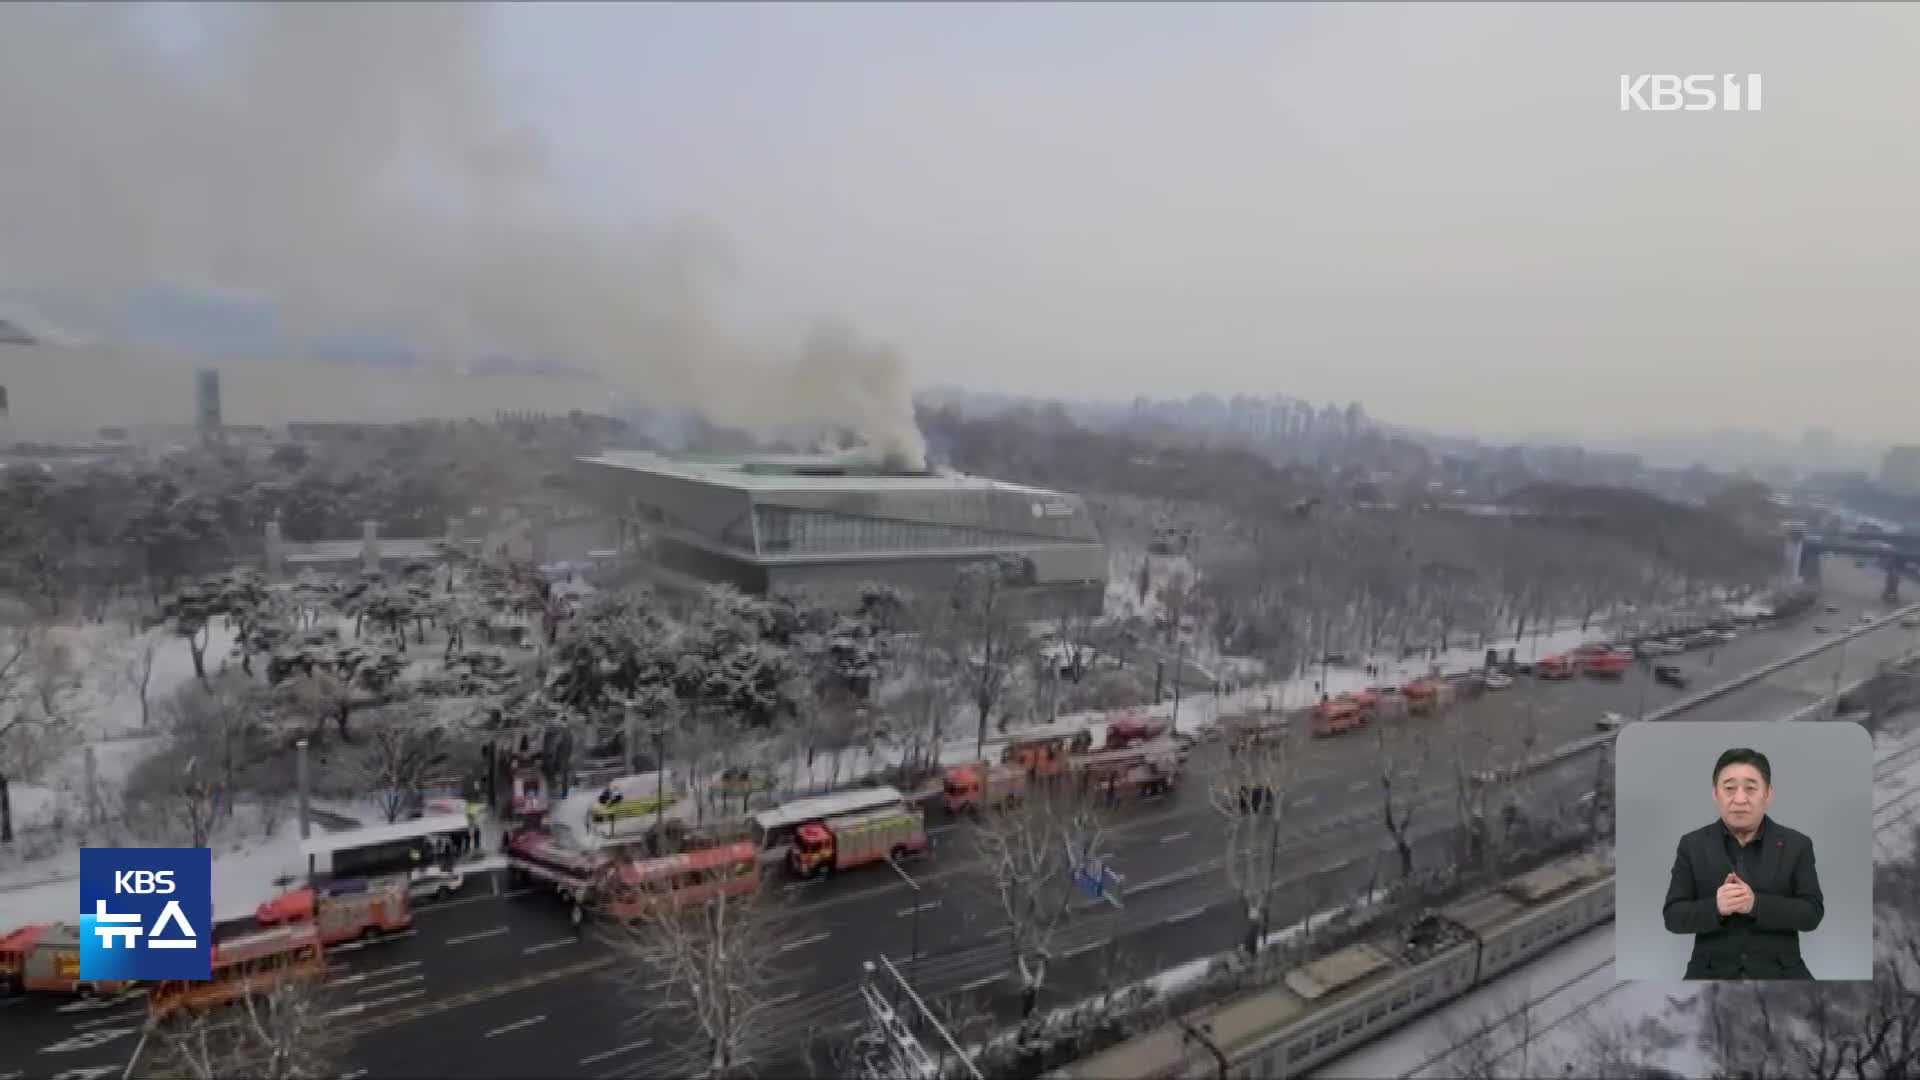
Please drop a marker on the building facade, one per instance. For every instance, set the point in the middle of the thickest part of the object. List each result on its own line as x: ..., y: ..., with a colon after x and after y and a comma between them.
x: 774, y: 523
x: 1900, y: 470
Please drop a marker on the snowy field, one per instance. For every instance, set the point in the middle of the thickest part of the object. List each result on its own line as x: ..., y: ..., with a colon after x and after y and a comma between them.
x: 1560, y: 1013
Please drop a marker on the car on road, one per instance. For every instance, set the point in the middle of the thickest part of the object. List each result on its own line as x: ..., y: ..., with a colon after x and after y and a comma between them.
x: 1819, y: 628
x: 1611, y: 721
x: 434, y: 883
x: 1866, y: 617
x: 1671, y: 675
x: 1496, y: 681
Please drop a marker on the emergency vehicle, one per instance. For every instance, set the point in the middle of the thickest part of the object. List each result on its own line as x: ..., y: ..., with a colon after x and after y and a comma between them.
x: 1130, y: 771
x: 534, y: 857
x: 773, y: 830
x: 639, y: 887
x: 1607, y: 664
x: 244, y: 966
x: 45, y: 959
x: 1557, y: 666
x: 344, y: 910
x: 1427, y: 696
x: 845, y: 841
x: 1338, y: 716
x: 626, y: 802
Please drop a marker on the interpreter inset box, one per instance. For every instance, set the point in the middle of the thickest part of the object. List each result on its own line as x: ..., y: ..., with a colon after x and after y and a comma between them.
x: 1744, y: 850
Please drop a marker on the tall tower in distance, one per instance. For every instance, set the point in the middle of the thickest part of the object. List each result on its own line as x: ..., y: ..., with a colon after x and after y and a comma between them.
x: 206, y: 401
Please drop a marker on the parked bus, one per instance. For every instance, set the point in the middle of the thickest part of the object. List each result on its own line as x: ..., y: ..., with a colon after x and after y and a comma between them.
x: 639, y: 887
x: 402, y: 847
x: 242, y: 966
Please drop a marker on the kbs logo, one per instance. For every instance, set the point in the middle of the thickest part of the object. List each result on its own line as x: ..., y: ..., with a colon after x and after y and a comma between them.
x: 146, y: 914
x: 1689, y: 93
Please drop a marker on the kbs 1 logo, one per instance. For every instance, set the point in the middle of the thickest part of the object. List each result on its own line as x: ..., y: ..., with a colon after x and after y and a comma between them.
x: 146, y: 914
x: 1690, y: 93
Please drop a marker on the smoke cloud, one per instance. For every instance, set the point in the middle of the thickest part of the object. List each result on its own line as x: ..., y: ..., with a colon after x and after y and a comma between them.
x: 359, y: 166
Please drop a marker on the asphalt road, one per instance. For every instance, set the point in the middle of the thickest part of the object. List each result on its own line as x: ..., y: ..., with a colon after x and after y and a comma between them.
x: 495, y: 983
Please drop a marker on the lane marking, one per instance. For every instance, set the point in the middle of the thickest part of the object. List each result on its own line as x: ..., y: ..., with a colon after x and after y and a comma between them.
x: 1302, y: 800
x: 359, y: 1007
x: 615, y: 1052
x: 782, y: 999
x: 1175, y: 837
x: 545, y: 945
x: 464, y: 938
x: 978, y: 983
x: 1078, y: 949
x: 515, y: 1026
x: 814, y: 939
x: 110, y: 1018
x: 938, y: 829
x: 394, y: 984
x: 1360, y: 785
x: 1185, y: 915
x: 363, y: 976
x: 354, y: 1075
x: 928, y: 906
x: 999, y: 930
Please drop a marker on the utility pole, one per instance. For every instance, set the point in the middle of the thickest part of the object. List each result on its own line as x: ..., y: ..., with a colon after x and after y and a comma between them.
x: 1179, y: 665
x: 896, y: 1050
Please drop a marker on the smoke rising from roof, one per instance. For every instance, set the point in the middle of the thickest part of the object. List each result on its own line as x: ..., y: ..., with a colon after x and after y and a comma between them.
x: 359, y: 166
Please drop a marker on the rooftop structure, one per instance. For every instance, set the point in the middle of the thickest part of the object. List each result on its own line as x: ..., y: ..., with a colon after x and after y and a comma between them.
x: 823, y: 523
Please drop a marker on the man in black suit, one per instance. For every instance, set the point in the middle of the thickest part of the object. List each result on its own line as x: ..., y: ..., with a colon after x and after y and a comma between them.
x: 1744, y: 886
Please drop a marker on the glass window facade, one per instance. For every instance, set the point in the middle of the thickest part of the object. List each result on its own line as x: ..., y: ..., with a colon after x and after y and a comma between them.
x: 785, y: 531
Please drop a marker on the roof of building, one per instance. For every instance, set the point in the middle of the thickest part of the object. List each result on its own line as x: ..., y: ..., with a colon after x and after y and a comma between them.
x: 798, y: 472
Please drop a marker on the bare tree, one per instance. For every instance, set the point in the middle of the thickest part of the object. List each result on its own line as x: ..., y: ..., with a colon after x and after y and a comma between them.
x: 397, y: 758
x: 1028, y: 850
x: 38, y: 707
x: 987, y: 636
x: 1249, y: 783
x: 1401, y: 749
x: 280, y: 1033
x: 703, y: 966
x: 215, y: 728
x: 1504, y: 1043
x: 133, y: 668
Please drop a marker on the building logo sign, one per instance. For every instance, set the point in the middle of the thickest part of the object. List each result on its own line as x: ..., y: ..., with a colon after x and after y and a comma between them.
x: 146, y: 914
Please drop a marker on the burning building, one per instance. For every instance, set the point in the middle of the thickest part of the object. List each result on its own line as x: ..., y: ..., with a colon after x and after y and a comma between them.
x: 828, y: 523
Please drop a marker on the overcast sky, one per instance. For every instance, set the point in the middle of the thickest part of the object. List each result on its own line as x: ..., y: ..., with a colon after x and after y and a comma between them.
x: 1437, y: 210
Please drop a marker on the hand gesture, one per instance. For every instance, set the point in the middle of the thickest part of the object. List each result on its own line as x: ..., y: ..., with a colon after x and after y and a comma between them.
x: 1733, y: 897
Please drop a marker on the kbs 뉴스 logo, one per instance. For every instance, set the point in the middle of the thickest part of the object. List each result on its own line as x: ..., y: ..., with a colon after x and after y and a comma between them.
x: 146, y: 914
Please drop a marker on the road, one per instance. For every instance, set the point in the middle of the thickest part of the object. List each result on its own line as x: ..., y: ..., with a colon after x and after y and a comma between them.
x: 494, y: 982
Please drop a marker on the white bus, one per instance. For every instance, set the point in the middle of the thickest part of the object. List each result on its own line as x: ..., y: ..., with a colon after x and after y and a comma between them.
x: 402, y: 847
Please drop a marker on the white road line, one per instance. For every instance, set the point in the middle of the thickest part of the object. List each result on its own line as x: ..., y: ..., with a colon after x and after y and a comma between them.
x: 393, y: 984
x: 515, y: 1026
x: 545, y: 945
x: 354, y: 1075
x: 978, y: 983
x: 928, y: 906
x: 110, y: 1018
x: 1174, y: 837
x: 1360, y: 785
x: 999, y: 930
x: 1303, y: 800
x: 1185, y: 915
x: 359, y: 1007
x: 615, y: 1052
x: 464, y: 938
x: 806, y: 941
x: 936, y: 831
x: 782, y: 999
x: 363, y: 976
x: 1078, y: 949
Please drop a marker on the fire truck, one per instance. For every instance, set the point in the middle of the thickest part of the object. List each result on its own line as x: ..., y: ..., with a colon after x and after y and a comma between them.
x: 344, y: 910
x: 45, y: 959
x: 1132, y: 771
x: 842, y: 843
x: 1605, y: 664
x: 537, y: 858
x: 1427, y: 696
x: 1557, y: 666
x: 1338, y: 716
